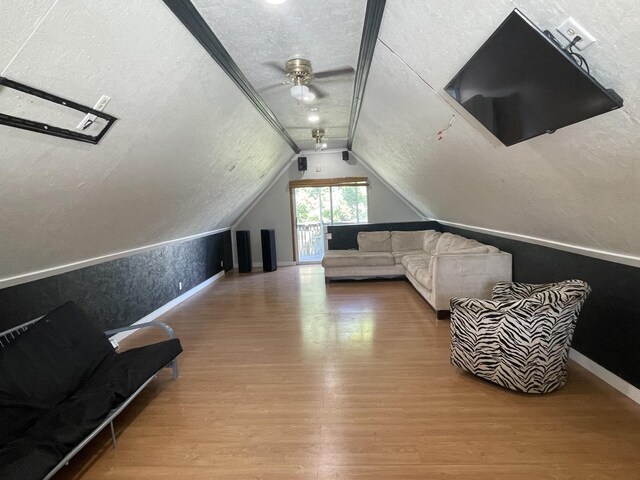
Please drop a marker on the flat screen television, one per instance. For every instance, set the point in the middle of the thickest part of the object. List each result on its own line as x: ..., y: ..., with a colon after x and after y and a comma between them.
x: 522, y: 83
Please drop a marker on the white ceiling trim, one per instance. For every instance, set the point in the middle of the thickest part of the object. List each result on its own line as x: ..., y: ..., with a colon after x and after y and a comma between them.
x: 630, y: 260
x: 49, y: 272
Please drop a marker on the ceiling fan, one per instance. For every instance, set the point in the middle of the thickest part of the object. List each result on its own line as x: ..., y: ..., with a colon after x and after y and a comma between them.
x: 300, y: 75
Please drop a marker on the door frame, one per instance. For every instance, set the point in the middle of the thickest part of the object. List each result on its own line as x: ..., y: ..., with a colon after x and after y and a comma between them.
x: 318, y: 182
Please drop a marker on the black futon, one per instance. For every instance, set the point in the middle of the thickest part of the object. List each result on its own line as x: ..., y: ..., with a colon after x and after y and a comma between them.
x: 60, y: 380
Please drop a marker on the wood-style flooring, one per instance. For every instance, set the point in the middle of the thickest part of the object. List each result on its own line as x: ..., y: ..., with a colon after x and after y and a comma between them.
x: 284, y: 377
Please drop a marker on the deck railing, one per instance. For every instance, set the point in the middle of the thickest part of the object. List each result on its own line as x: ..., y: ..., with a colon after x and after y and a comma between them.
x: 310, y: 242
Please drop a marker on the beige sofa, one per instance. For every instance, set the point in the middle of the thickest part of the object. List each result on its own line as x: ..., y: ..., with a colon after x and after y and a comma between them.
x: 439, y: 265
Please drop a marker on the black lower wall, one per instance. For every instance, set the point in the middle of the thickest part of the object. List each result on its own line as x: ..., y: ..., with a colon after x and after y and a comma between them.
x: 345, y: 237
x: 608, y: 329
x: 122, y: 291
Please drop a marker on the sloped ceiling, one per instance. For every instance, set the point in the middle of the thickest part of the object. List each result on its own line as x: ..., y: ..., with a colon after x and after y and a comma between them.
x: 256, y: 33
x: 578, y: 186
x: 187, y: 155
x: 189, y: 152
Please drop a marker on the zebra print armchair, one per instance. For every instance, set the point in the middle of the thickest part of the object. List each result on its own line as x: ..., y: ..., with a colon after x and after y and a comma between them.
x: 520, y: 338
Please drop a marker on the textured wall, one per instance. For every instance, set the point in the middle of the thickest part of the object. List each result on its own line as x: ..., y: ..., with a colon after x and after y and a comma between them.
x: 578, y: 186
x: 273, y: 210
x: 187, y: 155
x: 122, y: 291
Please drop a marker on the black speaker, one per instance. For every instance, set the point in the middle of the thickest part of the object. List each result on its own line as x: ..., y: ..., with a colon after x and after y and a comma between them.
x: 302, y: 164
x: 345, y: 155
x: 243, y: 246
x: 269, y: 261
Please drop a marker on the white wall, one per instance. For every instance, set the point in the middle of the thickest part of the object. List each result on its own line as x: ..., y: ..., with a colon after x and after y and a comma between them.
x: 273, y: 209
x: 187, y: 155
x: 576, y: 188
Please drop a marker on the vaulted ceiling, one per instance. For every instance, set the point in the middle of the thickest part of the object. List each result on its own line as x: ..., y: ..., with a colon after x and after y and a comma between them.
x: 190, y: 152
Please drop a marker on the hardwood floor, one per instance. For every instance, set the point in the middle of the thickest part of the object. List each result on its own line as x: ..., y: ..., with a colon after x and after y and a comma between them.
x: 284, y: 377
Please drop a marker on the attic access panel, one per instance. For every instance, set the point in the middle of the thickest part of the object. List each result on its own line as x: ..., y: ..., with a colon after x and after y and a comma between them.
x: 521, y: 83
x: 40, y: 127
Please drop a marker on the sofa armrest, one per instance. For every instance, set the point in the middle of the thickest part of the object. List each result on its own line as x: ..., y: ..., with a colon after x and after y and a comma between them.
x: 467, y: 275
x: 163, y: 326
x: 168, y: 330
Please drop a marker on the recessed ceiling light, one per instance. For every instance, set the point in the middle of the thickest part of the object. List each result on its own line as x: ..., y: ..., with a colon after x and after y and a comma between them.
x: 275, y: 2
x: 314, y: 118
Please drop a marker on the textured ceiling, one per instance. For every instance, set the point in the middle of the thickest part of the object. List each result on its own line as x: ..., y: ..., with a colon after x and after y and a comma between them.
x: 187, y: 155
x: 189, y: 152
x: 578, y: 186
x: 326, y: 33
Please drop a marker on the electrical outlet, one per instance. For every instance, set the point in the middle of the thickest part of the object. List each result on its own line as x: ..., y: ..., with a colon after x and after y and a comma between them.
x: 221, y: 264
x: 318, y: 168
x: 179, y: 285
x: 89, y: 118
x: 570, y: 29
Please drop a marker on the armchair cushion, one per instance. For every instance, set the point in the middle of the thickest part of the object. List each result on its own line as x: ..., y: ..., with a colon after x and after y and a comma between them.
x: 521, y: 339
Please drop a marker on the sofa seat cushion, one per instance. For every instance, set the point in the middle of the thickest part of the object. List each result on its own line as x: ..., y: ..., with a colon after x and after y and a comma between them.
x: 52, y: 358
x: 374, y: 241
x: 424, y: 278
x: 127, y: 371
x: 413, y: 263
x: 356, y: 258
x: 397, y: 256
x: 54, y: 435
x: 407, y: 241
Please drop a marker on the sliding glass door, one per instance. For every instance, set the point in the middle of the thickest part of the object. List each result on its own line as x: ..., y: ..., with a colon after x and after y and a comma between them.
x: 316, y: 207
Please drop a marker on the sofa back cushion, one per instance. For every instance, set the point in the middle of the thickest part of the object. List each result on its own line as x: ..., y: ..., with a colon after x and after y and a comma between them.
x: 408, y: 241
x: 450, y: 243
x: 49, y: 361
x: 431, y: 238
x: 374, y: 241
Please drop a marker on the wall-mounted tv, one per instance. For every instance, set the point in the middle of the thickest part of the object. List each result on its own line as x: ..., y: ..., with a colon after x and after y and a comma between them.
x: 522, y: 83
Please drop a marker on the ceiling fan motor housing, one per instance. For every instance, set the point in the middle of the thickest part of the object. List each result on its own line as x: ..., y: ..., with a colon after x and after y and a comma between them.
x: 299, y: 71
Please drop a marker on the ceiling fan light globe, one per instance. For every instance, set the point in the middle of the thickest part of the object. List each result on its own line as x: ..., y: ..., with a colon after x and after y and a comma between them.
x: 300, y: 92
x: 309, y: 97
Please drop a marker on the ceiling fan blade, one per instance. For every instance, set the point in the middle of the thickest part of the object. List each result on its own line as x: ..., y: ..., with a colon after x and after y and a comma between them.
x: 275, y: 66
x: 334, y: 72
x: 282, y: 85
x: 318, y: 92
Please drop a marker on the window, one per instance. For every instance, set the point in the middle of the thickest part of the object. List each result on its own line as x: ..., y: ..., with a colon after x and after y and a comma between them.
x: 317, y: 203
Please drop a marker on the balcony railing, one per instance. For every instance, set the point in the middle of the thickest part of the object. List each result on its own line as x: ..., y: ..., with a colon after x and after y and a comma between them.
x: 310, y: 242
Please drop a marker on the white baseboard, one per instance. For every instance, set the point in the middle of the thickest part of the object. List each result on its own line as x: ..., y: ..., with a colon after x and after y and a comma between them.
x: 259, y: 264
x: 612, y: 379
x: 168, y: 306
